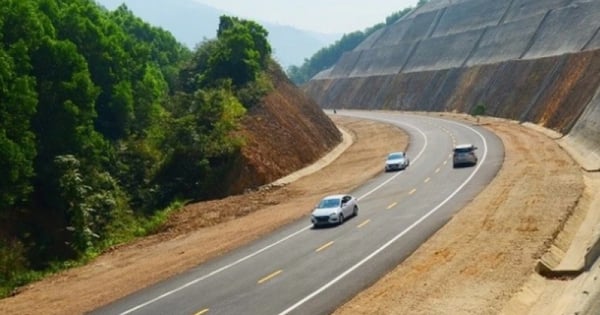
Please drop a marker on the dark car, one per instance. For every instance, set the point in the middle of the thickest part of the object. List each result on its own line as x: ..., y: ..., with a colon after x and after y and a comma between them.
x: 464, y: 155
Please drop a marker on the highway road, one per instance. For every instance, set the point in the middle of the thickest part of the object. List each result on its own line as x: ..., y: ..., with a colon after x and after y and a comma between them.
x: 301, y: 270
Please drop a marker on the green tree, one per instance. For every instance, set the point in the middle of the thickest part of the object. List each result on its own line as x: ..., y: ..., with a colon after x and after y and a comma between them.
x: 17, y: 141
x: 21, y: 29
x: 478, y: 110
x: 241, y: 52
x: 200, y: 144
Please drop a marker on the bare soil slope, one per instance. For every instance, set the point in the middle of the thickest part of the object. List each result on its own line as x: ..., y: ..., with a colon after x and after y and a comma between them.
x: 282, y: 134
x: 473, y: 265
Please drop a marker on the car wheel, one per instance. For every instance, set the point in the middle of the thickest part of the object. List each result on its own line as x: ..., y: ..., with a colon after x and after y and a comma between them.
x: 341, y: 219
x: 355, y: 213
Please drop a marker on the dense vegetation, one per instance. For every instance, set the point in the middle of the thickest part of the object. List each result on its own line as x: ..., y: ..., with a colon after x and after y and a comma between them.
x: 326, y: 57
x: 105, y: 121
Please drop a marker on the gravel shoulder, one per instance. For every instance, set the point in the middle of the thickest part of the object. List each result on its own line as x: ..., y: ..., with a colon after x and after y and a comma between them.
x: 487, y: 253
x: 481, y: 262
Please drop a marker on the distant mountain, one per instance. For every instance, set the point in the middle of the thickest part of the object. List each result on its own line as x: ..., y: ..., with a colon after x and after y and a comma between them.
x: 192, y: 22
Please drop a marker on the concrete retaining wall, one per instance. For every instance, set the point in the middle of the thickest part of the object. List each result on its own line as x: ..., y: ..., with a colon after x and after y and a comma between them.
x: 393, y: 34
x: 459, y: 17
x: 443, y: 52
x: 527, y: 60
x: 346, y: 64
x: 521, y: 9
x: 566, y: 30
x: 382, y: 61
x: 583, y: 142
x: 370, y: 40
x: 506, y: 41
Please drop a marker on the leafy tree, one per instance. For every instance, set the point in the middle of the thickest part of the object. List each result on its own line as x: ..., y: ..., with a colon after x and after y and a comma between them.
x: 200, y: 143
x: 240, y: 52
x: 17, y: 146
x: 478, y: 110
x: 20, y: 31
x: 105, y: 119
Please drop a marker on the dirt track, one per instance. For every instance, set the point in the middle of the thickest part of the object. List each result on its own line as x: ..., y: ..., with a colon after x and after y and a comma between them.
x: 473, y: 265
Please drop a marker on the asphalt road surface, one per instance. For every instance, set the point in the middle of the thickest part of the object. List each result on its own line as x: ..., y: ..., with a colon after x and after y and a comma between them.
x: 301, y: 270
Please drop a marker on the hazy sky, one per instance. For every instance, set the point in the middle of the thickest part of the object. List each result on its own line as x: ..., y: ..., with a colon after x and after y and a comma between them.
x: 323, y: 16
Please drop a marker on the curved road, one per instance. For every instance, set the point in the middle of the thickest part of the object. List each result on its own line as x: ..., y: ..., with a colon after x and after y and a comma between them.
x: 300, y: 270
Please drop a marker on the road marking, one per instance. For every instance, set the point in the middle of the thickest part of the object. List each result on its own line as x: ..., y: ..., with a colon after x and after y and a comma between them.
x: 427, y: 179
x: 324, y: 246
x: 392, y: 205
x: 412, y: 191
x: 445, y: 162
x: 204, y: 311
x: 438, y: 170
x: 364, y: 223
x: 269, y: 277
x: 402, y: 233
x: 239, y: 261
x: 417, y: 157
x: 306, y: 228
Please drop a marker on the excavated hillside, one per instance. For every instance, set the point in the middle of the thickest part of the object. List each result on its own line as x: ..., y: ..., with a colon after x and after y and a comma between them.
x: 282, y: 134
x: 525, y: 60
x: 536, y: 63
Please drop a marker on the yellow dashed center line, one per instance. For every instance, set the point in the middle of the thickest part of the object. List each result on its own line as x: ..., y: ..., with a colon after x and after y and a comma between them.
x: 269, y: 277
x: 364, y: 223
x: 392, y: 205
x: 427, y: 179
x: 324, y: 246
x: 412, y: 191
x: 204, y: 311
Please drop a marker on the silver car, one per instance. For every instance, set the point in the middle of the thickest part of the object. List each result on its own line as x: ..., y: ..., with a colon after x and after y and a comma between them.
x: 464, y: 154
x: 396, y: 161
x: 334, y: 209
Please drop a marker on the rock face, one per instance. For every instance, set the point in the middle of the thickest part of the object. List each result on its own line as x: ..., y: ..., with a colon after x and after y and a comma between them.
x: 527, y: 60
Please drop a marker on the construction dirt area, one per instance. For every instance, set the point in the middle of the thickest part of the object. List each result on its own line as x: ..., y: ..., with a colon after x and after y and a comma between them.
x: 481, y: 262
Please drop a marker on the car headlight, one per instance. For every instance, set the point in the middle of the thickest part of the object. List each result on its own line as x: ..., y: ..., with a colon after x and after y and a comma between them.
x: 333, y: 215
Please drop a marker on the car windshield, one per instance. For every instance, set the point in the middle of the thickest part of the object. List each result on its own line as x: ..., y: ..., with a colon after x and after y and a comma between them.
x: 395, y: 156
x: 329, y: 203
x: 463, y: 150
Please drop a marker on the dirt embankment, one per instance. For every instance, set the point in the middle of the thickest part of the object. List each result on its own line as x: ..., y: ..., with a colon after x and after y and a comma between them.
x: 474, y: 265
x: 283, y: 133
x: 205, y: 230
x: 488, y: 251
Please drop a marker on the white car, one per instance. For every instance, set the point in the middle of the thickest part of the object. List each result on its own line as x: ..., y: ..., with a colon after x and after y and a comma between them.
x: 396, y: 161
x: 334, y: 209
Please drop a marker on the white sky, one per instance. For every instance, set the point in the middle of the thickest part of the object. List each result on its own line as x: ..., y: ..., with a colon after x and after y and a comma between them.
x: 323, y: 16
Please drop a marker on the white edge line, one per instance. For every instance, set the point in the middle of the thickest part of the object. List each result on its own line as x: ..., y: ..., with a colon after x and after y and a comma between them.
x: 137, y: 307
x: 168, y: 293
x: 408, y: 229
x: 133, y: 309
x: 398, y: 174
